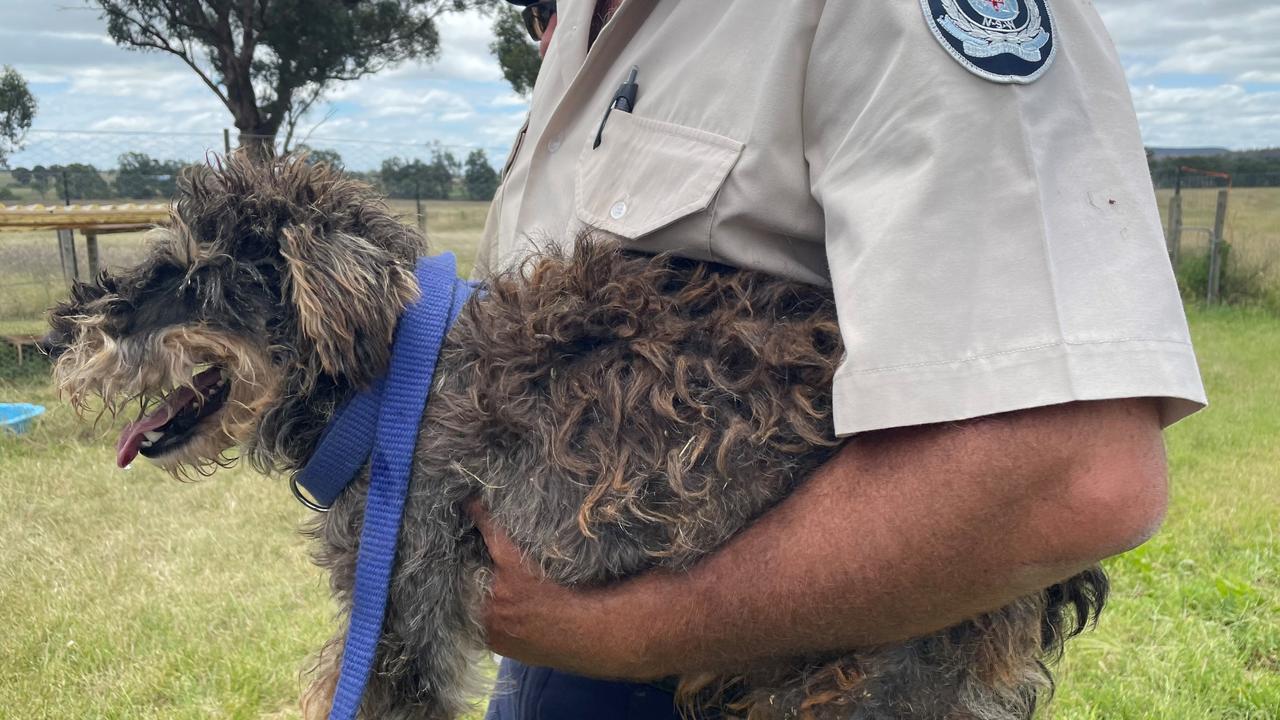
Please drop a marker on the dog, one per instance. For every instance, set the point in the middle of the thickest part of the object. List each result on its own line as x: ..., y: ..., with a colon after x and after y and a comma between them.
x: 616, y: 412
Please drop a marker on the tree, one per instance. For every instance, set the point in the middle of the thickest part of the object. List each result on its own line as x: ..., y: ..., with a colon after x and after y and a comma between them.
x: 76, y: 181
x: 141, y: 176
x: 481, y: 179
x: 442, y: 173
x: 37, y: 178
x: 517, y: 56
x: 316, y: 156
x: 17, y: 111
x: 404, y: 178
x: 413, y: 178
x: 265, y: 59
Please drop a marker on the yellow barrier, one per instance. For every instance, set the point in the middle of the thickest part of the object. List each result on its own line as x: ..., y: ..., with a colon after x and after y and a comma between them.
x: 90, y: 220
x: 82, y: 217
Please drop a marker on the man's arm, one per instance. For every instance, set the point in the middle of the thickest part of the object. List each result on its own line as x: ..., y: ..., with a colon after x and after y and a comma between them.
x: 902, y: 533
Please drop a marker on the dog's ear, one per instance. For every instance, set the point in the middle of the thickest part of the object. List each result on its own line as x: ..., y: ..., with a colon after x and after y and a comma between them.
x: 347, y: 294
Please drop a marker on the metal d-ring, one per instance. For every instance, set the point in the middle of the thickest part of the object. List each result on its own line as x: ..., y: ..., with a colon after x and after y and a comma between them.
x: 306, y: 501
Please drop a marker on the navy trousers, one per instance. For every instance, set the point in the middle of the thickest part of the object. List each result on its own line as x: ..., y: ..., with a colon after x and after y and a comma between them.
x: 525, y: 692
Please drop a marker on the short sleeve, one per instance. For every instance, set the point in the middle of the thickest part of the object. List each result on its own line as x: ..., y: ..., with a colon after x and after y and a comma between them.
x: 993, y: 246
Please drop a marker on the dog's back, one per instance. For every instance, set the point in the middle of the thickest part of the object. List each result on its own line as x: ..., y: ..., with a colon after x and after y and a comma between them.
x: 618, y: 412
x: 628, y: 411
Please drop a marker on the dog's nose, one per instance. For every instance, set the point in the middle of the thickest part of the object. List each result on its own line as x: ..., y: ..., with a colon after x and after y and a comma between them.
x: 52, y: 344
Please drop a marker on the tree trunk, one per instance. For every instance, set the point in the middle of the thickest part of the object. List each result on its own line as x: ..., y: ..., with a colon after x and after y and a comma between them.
x: 259, y: 143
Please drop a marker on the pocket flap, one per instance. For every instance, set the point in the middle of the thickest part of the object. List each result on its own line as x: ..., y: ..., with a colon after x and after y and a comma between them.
x: 647, y: 174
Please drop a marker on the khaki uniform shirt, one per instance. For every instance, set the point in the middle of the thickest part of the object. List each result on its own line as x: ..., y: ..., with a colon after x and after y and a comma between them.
x: 992, y: 246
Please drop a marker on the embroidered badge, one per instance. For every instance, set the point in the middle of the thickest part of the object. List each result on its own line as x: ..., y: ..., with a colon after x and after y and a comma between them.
x: 1007, y: 41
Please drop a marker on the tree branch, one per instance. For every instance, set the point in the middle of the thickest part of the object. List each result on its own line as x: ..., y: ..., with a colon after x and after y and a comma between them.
x: 160, y: 42
x: 248, y: 41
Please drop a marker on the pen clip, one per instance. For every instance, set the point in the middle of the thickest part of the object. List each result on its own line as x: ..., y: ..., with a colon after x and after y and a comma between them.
x: 624, y: 99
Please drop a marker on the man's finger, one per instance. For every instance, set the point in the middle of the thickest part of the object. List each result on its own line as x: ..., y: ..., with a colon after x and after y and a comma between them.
x: 480, y: 516
x: 501, y: 549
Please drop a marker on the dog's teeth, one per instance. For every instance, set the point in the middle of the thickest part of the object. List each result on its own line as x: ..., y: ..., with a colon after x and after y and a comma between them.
x: 152, y: 435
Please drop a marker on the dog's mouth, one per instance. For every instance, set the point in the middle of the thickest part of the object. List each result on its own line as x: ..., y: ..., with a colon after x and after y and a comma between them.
x: 173, y: 423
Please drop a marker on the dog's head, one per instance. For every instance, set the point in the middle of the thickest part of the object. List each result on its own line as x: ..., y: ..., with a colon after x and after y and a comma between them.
x: 272, y: 294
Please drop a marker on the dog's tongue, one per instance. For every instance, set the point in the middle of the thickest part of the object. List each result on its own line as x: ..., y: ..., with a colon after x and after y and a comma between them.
x: 133, y: 434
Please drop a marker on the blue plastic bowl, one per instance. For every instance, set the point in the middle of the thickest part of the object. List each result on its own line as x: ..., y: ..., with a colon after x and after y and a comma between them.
x: 18, y: 417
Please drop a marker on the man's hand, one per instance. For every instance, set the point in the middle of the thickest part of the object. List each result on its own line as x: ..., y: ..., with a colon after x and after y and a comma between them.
x: 901, y: 534
x: 538, y: 622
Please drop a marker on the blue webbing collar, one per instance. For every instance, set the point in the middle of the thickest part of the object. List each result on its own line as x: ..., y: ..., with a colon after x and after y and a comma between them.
x: 380, y: 425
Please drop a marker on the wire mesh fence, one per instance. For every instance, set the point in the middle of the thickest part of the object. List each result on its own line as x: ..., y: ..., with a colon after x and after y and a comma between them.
x: 1223, y: 233
x: 57, y: 166
x: 441, y: 188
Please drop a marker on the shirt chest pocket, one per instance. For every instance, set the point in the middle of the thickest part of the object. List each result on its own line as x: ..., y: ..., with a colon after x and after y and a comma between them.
x: 648, y: 175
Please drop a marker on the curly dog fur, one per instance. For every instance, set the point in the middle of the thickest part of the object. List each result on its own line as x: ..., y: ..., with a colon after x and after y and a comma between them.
x: 616, y: 412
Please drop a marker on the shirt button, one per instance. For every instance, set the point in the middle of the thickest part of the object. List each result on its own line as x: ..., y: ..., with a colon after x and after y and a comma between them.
x: 554, y: 144
x: 618, y: 210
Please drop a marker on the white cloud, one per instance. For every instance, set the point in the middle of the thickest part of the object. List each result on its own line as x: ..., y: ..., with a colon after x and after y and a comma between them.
x: 382, y: 100
x: 464, y: 49
x: 1219, y: 115
x: 1203, y: 73
x: 1195, y: 68
x: 509, y: 100
x: 143, y: 83
x: 1227, y: 39
x: 1261, y: 76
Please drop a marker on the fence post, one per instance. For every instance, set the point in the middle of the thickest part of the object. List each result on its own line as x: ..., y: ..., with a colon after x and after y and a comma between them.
x: 67, y: 253
x: 1174, y: 238
x: 417, y: 198
x: 1216, y: 252
x: 226, y: 141
x: 91, y: 252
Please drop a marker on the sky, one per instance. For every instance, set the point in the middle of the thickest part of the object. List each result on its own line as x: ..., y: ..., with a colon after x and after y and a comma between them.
x: 1202, y: 74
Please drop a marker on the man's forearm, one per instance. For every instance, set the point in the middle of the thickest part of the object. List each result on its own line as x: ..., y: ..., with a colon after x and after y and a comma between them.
x: 905, y: 533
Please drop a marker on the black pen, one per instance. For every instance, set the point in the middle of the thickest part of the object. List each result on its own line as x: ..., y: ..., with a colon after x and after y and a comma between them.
x: 624, y: 99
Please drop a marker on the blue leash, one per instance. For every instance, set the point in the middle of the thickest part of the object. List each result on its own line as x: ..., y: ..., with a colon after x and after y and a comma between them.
x: 381, y: 425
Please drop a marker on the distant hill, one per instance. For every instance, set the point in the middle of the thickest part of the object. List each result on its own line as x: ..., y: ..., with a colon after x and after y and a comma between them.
x: 1248, y: 168
x: 1162, y: 153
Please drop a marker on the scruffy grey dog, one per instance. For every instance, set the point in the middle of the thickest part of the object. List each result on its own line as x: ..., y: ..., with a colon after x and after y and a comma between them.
x: 616, y: 412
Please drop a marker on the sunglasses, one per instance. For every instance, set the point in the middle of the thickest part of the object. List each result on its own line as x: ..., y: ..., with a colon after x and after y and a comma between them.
x: 537, y: 17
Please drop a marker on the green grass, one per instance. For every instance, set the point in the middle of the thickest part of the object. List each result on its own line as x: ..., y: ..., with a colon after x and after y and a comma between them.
x: 1251, y: 275
x: 31, y: 273
x: 1193, y: 630
x: 125, y: 594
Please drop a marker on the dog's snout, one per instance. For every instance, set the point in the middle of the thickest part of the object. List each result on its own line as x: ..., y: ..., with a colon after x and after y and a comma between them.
x: 53, y: 344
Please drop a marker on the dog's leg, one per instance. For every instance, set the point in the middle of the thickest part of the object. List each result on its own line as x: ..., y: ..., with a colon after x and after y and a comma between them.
x: 322, y: 683
x: 429, y: 656
x: 431, y: 649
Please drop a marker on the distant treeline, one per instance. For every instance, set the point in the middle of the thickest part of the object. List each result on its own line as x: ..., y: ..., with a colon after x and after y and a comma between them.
x: 1249, y: 168
x: 138, y: 176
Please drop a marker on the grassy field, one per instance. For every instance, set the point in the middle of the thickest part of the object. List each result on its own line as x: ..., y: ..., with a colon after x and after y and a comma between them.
x: 130, y: 595
x: 1252, y: 233
x: 31, y: 274
x: 1194, y: 627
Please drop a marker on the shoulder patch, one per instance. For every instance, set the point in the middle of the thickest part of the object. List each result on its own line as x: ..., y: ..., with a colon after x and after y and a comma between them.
x: 1005, y: 41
